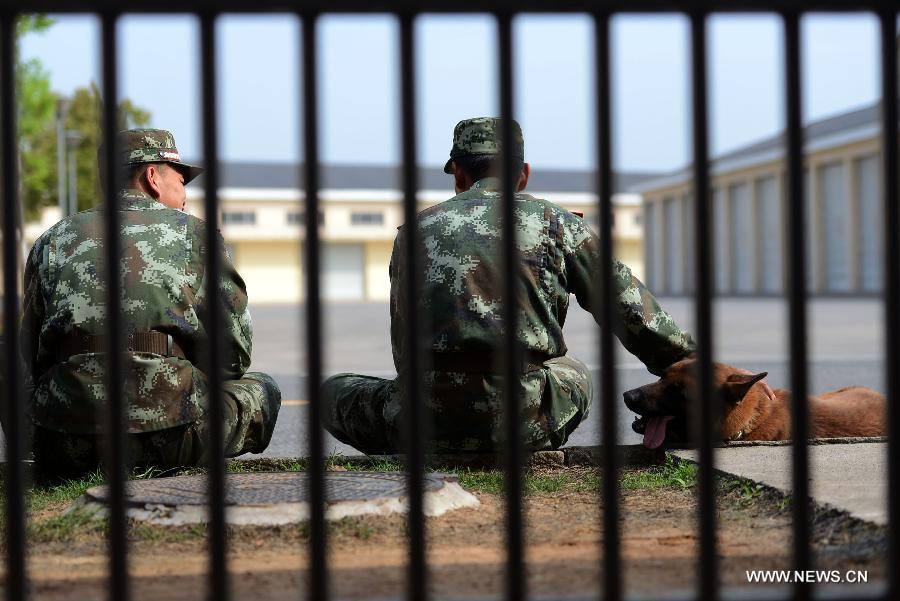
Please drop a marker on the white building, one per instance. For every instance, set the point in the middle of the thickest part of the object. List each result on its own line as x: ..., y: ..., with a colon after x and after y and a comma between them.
x: 844, y: 233
x: 262, y: 221
x: 361, y: 208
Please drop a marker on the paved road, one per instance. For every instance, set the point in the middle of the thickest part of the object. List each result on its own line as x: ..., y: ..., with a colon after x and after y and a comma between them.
x: 845, y: 348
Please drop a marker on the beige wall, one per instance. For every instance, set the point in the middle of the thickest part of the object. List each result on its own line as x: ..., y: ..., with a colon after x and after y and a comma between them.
x: 378, y: 259
x: 267, y: 253
x: 631, y: 252
x: 270, y: 269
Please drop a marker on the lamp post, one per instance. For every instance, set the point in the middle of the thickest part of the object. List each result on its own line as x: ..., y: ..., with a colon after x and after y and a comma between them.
x: 62, y: 111
x: 72, y: 139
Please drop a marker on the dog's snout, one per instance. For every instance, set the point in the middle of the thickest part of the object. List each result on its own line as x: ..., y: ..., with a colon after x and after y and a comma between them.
x: 633, y: 398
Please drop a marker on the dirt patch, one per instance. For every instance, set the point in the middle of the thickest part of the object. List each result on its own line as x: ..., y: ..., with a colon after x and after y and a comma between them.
x: 367, y: 555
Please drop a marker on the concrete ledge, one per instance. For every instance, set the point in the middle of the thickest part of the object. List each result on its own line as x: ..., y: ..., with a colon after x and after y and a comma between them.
x: 276, y: 498
x: 810, y: 443
x: 849, y: 479
x: 472, y: 460
x: 629, y: 455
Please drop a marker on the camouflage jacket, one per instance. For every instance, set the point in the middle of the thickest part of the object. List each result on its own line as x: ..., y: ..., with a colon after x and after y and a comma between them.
x: 462, y: 281
x: 163, y: 289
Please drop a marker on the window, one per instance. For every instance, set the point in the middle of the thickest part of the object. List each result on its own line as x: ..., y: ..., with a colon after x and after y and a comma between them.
x: 238, y: 218
x: 366, y: 218
x: 299, y: 217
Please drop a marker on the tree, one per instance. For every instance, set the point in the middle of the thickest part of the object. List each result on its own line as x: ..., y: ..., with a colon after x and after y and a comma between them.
x: 85, y: 113
x: 37, y: 105
x: 36, y: 109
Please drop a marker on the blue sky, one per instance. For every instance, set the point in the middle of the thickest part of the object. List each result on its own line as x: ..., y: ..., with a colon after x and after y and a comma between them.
x: 456, y: 66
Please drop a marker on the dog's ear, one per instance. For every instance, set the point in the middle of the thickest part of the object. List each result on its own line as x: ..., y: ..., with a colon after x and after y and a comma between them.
x: 737, y: 385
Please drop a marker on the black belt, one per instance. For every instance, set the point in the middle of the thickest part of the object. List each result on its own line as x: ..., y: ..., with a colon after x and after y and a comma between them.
x: 485, y: 362
x: 138, y: 342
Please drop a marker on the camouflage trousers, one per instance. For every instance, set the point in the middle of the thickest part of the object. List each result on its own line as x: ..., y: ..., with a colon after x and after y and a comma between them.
x: 250, y: 410
x: 464, y: 411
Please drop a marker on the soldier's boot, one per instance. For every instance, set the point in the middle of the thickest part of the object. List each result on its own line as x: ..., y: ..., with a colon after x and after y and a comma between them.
x: 249, y: 426
x: 353, y: 411
x: 568, y: 393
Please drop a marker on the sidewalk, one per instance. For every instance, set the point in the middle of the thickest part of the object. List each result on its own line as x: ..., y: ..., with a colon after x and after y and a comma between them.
x: 849, y: 475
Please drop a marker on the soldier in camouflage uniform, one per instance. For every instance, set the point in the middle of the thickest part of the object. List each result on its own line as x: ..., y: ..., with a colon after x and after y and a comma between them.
x: 462, y: 296
x: 166, y: 322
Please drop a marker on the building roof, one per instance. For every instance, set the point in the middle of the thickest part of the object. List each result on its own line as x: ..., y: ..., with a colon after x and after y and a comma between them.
x: 831, y: 131
x: 383, y: 177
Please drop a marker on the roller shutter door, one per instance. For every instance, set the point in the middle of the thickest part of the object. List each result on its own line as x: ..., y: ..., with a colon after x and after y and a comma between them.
x: 649, y: 264
x: 811, y: 230
x: 655, y: 240
x: 871, y: 235
x: 721, y: 249
x: 770, y: 236
x: 343, y: 272
x: 271, y: 270
x: 674, y: 275
x: 836, y: 240
x: 741, y: 238
x: 687, y: 203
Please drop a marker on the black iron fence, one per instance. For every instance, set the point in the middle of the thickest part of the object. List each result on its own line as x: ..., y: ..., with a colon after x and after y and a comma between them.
x: 503, y: 11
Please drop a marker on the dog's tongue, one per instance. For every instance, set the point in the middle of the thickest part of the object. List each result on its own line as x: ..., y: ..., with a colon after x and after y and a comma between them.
x: 655, y: 432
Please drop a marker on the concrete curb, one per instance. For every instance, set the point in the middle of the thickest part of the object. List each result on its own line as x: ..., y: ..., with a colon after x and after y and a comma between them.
x: 631, y: 455
x: 449, y: 496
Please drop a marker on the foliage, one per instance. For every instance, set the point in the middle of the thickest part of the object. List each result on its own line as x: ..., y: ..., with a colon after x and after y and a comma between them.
x: 37, y: 129
x: 36, y: 111
x: 84, y: 116
x: 672, y: 474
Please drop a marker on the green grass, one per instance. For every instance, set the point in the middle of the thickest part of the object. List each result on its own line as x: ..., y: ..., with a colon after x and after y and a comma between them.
x: 492, y: 481
x: 673, y: 474
x: 64, y: 527
x: 483, y: 481
x: 40, y: 497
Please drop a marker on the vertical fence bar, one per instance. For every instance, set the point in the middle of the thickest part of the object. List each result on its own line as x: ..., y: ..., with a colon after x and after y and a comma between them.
x: 797, y: 297
x: 612, y: 565
x: 515, y: 582
x: 415, y: 449
x: 708, y: 573
x: 115, y: 459
x: 218, y: 568
x: 14, y: 480
x: 318, y: 568
x: 888, y: 21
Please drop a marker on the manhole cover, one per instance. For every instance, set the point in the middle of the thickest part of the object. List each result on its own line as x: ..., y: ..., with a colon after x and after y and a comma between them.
x: 265, y: 488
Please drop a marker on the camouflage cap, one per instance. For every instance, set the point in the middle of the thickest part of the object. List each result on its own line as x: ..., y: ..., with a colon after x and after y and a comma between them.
x: 480, y: 136
x: 153, y: 146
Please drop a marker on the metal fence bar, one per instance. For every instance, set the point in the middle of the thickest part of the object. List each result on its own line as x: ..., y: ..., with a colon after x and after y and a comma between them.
x: 515, y: 566
x: 612, y: 563
x: 888, y: 22
x: 415, y: 448
x: 219, y: 590
x: 797, y: 296
x: 119, y: 589
x: 12, y: 378
x: 318, y: 575
x: 708, y: 573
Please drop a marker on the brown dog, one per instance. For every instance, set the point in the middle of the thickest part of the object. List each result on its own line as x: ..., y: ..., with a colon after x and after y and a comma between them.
x: 747, y: 413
